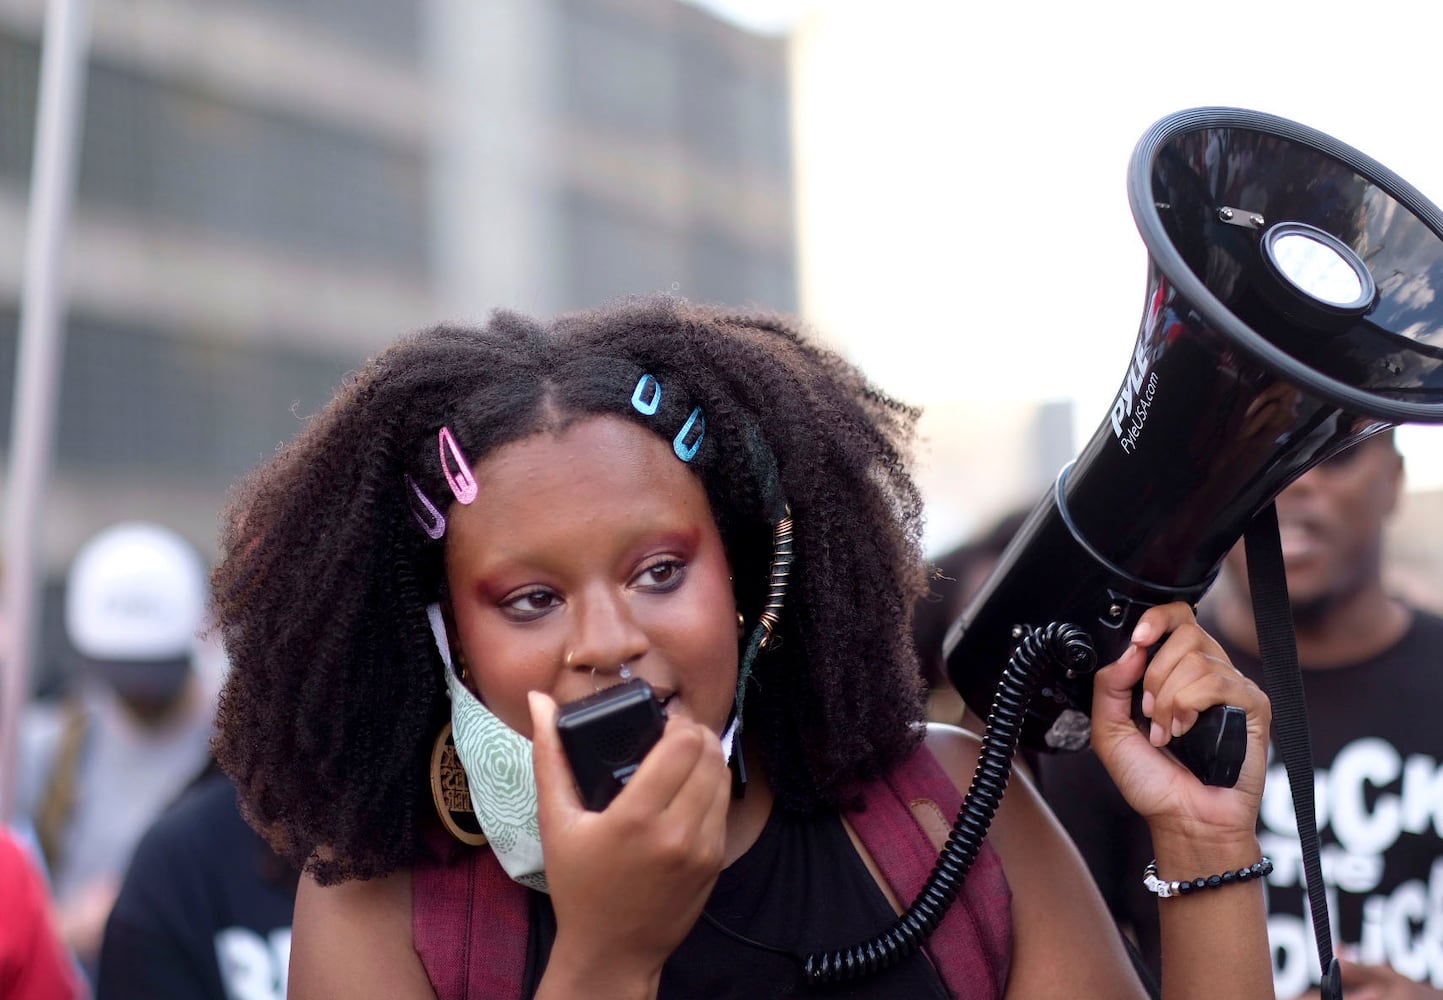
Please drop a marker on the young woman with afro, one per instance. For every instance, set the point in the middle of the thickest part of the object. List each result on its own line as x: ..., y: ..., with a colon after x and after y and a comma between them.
x: 486, y: 524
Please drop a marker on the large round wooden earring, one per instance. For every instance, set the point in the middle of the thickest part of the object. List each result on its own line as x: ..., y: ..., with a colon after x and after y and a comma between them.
x: 451, y: 793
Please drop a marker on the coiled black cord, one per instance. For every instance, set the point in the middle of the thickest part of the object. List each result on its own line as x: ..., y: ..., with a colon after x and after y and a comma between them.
x: 1055, y: 645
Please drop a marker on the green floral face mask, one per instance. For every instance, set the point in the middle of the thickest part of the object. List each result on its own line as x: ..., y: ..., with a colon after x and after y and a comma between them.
x: 497, y: 761
x: 500, y: 773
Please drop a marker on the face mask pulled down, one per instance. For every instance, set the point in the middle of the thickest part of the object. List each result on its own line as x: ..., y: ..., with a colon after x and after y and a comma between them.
x: 500, y: 774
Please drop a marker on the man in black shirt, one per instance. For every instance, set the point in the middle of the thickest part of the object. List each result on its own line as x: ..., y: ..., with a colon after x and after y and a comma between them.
x: 205, y: 909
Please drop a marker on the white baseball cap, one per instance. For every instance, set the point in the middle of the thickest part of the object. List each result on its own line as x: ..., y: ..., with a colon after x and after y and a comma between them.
x: 136, y: 591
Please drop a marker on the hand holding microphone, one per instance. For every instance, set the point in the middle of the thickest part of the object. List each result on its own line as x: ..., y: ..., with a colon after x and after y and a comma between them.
x: 628, y: 882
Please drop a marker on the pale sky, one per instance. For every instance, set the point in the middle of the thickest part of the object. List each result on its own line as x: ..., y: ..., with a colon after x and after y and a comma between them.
x: 968, y: 235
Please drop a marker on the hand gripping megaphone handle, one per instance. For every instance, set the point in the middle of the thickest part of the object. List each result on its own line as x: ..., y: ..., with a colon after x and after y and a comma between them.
x: 1214, y: 748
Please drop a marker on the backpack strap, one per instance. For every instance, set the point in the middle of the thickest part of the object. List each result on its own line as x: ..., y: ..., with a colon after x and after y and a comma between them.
x: 903, y: 822
x: 56, y: 806
x: 469, y: 921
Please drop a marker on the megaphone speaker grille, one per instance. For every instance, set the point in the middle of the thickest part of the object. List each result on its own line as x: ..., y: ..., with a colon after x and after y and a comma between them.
x: 1212, y: 188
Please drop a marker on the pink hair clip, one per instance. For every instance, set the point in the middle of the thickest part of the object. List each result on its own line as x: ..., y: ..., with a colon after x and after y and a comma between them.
x: 463, y: 484
x: 431, y: 520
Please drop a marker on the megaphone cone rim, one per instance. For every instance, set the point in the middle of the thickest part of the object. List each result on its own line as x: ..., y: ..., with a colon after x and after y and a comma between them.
x: 1167, y: 259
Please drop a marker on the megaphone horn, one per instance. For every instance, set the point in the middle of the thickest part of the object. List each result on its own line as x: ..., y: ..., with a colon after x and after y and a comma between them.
x: 1293, y: 309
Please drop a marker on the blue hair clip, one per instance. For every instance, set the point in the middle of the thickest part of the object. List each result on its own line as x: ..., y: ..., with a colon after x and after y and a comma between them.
x: 686, y: 452
x: 646, y: 407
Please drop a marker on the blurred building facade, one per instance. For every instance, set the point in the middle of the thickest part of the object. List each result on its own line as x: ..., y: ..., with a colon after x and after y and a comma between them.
x: 605, y: 146
x: 251, y: 218
x: 270, y: 191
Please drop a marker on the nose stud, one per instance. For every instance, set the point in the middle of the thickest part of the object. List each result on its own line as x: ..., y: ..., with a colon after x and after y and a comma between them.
x: 624, y: 673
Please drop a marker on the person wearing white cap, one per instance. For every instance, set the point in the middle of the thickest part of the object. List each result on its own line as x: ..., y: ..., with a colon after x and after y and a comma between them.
x: 99, y: 767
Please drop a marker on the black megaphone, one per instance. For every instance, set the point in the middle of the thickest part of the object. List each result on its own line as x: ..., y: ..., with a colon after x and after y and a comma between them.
x: 1294, y: 307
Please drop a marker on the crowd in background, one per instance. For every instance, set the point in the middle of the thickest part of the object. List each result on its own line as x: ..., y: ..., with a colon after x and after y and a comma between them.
x: 138, y: 870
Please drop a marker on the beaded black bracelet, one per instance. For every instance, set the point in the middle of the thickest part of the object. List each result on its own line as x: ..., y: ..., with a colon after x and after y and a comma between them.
x: 1263, y: 866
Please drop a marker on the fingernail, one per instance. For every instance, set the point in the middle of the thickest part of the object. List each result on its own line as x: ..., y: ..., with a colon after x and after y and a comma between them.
x: 1177, y: 727
x: 1148, y: 701
x: 1142, y: 633
x: 1155, y: 736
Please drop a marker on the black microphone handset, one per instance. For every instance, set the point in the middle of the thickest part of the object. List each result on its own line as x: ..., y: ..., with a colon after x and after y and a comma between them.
x: 606, y: 735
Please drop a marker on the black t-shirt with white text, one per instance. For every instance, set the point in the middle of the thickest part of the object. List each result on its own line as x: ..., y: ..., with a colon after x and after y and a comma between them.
x: 205, y: 909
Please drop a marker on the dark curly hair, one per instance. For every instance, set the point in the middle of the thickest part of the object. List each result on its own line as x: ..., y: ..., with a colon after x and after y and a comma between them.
x: 950, y: 590
x: 335, y: 693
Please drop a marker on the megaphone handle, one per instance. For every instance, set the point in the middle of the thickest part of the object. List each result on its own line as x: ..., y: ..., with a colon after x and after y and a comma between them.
x: 1214, y: 748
